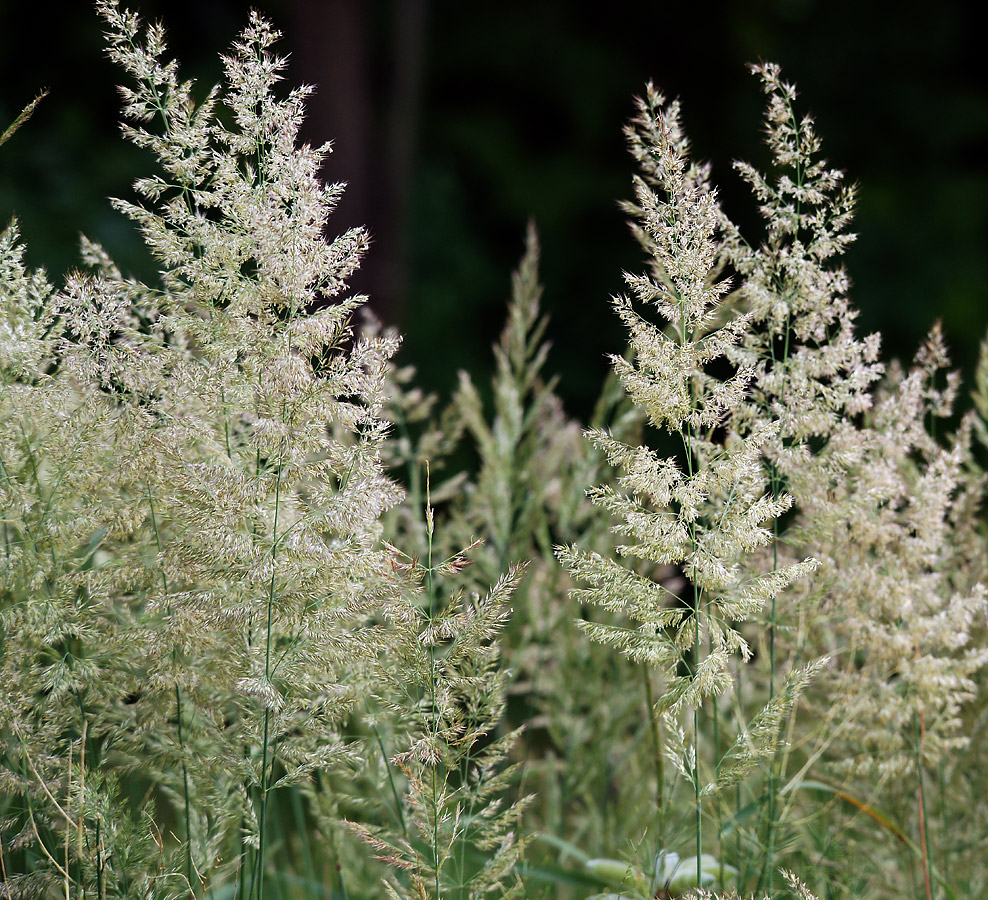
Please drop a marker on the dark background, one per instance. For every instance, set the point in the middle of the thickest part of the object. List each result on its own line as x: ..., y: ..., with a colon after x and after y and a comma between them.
x: 455, y: 122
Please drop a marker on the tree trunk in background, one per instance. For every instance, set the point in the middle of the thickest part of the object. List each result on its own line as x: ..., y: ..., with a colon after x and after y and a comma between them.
x: 374, y: 137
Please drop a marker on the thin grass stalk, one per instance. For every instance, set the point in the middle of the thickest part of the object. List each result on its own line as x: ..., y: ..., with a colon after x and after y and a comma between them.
x: 767, y: 870
x: 259, y: 864
x: 241, y: 877
x: 945, y: 845
x: 68, y: 831
x: 302, y: 829
x: 466, y: 828
x: 696, y: 747
x: 432, y: 677
x: 921, y: 808
x: 26, y: 758
x: 775, y: 486
x: 80, y: 824
x: 688, y: 439
x: 656, y: 743
x: 3, y: 865
x: 717, y: 761
x: 737, y: 790
x: 178, y: 714
x: 399, y: 810
x: 697, y: 595
x: 99, y: 861
x: 787, y: 746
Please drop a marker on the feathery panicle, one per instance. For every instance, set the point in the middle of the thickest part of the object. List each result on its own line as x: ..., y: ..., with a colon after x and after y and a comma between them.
x: 706, y: 511
x: 900, y: 611
x: 457, y: 832
x: 811, y: 374
x: 703, y: 511
x: 244, y: 428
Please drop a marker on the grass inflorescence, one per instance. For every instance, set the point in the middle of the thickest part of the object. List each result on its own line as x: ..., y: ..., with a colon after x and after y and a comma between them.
x: 261, y: 638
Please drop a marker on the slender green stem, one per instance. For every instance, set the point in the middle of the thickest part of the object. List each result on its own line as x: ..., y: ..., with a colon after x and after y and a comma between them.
x: 945, y: 845
x: 178, y: 716
x: 185, y: 790
x: 303, y: 831
x: 696, y: 743
x: 688, y: 440
x: 226, y: 419
x: 432, y: 680
x: 100, y: 893
x: 656, y: 740
x: 767, y: 871
x: 923, y: 835
x: 775, y: 486
x: 717, y: 760
x: 461, y: 874
x: 259, y: 864
x: 391, y: 782
x: 81, y: 815
x: 737, y: 792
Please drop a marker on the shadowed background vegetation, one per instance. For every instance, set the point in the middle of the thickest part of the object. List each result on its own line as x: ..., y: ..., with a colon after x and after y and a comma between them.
x: 454, y: 123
